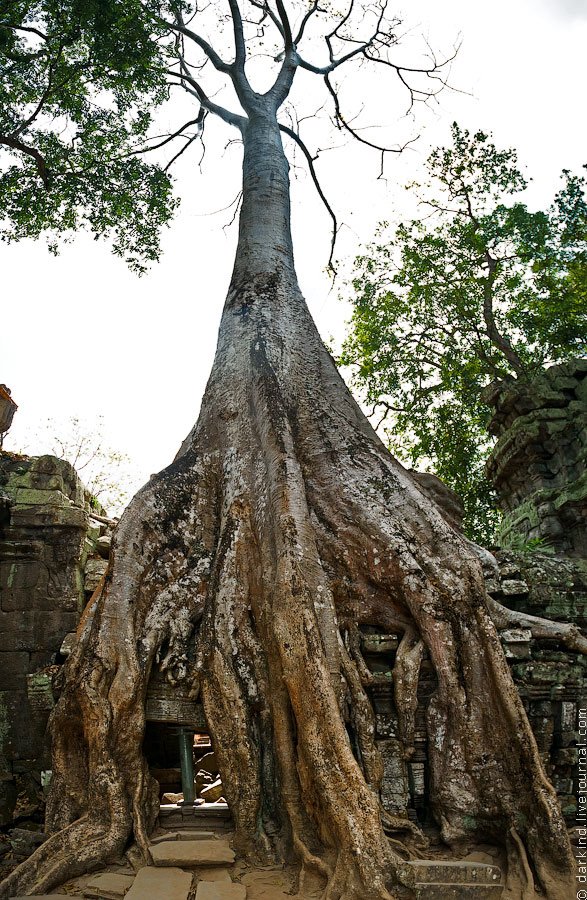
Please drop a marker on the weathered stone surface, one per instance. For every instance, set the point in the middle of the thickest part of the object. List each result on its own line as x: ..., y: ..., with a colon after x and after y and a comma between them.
x: 43, y: 546
x: 207, y: 873
x: 109, y: 886
x: 95, y: 570
x: 220, y: 891
x: 192, y: 853
x: 539, y: 464
x: 459, y: 891
x: 7, y: 409
x: 458, y: 871
x: 208, y: 763
x: 212, y: 792
x: 160, y: 884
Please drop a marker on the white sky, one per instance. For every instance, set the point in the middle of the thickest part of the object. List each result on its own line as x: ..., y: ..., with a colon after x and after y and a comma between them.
x: 82, y: 336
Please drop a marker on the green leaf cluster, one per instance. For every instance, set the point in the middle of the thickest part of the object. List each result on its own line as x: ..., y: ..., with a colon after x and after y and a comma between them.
x: 479, y: 287
x: 79, y: 81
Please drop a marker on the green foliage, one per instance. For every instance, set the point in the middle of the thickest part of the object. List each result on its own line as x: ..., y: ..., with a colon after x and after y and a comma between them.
x: 480, y: 288
x: 79, y: 80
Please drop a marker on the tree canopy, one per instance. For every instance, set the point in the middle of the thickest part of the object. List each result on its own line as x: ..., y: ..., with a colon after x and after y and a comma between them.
x: 83, y: 84
x: 478, y: 288
x: 79, y: 80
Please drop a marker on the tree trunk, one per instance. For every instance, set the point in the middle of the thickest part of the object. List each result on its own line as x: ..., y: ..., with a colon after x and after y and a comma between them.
x: 246, y: 567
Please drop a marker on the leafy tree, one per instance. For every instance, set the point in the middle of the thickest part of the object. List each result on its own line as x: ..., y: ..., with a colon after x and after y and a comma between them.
x: 245, y: 569
x: 78, y: 82
x: 478, y: 288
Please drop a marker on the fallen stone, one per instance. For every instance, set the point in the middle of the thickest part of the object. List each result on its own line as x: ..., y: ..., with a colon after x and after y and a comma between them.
x: 220, y: 891
x: 160, y: 884
x: 184, y: 836
x: 109, y: 886
x: 171, y: 798
x: 192, y: 853
x: 208, y: 763
x: 43, y: 897
x: 212, y: 792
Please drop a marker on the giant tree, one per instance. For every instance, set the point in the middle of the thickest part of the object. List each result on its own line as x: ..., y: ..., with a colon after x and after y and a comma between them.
x: 248, y: 565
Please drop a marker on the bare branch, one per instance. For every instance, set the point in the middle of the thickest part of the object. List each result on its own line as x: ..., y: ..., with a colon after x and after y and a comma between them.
x: 342, y: 123
x: 182, y: 150
x: 170, y: 137
x: 192, y: 86
x: 287, y: 35
x: 203, y: 44
x: 268, y: 13
x: 313, y: 9
x: 239, y: 37
x: 294, y: 136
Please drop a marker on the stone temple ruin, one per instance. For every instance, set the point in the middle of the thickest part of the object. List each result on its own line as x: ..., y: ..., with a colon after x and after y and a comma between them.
x: 54, y: 550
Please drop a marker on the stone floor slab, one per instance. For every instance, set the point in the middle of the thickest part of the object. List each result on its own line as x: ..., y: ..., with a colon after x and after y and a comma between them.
x: 220, y: 890
x: 160, y: 884
x: 192, y: 853
x: 212, y: 874
x: 108, y: 886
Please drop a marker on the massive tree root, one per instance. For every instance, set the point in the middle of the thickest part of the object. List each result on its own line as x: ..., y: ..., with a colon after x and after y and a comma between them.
x: 246, y: 567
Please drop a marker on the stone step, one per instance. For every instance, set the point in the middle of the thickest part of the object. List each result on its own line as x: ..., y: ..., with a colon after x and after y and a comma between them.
x: 220, y: 890
x: 458, y: 891
x: 192, y: 853
x: 160, y: 884
x: 436, y: 871
x: 191, y: 835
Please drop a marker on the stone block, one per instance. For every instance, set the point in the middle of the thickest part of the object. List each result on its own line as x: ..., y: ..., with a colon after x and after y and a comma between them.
x: 514, y: 587
x: 40, y: 692
x: 160, y: 884
x: 109, y: 886
x: 440, y: 891
x: 516, y: 642
x: 220, y: 890
x: 212, y: 792
x: 184, y: 836
x: 14, y: 666
x: 192, y: 853
x: 95, y: 570
x: 428, y: 871
x: 36, y: 630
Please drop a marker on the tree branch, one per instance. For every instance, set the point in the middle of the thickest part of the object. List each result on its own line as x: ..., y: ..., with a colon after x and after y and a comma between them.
x: 295, y: 137
x: 287, y: 35
x: 203, y: 44
x: 194, y: 88
x: 15, y: 144
x: 313, y: 9
x: 239, y: 37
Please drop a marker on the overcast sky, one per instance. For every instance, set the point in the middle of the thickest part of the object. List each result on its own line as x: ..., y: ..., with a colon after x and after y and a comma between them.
x: 81, y: 336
